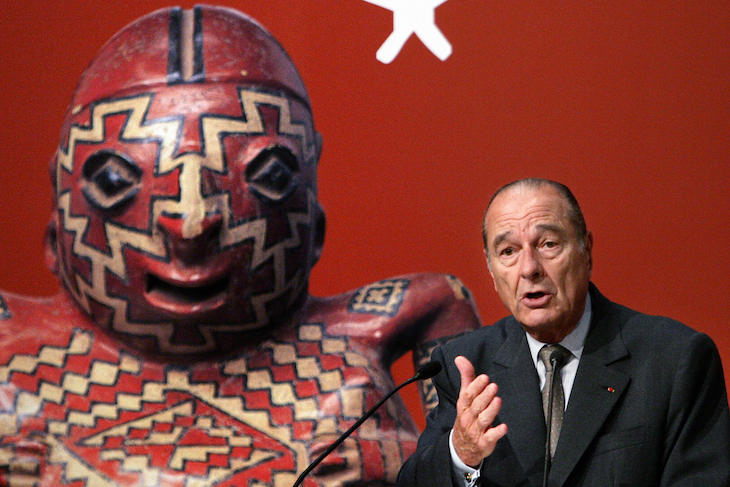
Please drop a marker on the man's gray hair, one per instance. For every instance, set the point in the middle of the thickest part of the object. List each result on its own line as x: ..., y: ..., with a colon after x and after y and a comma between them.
x: 575, y: 213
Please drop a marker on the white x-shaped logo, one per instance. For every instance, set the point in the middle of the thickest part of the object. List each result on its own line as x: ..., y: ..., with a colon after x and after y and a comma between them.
x: 412, y: 17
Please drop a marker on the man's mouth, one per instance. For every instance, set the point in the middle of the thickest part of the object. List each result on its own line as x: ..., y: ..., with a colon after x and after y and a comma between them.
x: 536, y: 298
x: 186, y: 297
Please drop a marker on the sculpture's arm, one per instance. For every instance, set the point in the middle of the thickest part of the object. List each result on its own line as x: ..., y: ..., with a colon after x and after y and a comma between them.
x: 435, y: 308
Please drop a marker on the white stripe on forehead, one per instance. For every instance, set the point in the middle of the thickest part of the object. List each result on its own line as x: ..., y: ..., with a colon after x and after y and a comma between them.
x: 187, y: 50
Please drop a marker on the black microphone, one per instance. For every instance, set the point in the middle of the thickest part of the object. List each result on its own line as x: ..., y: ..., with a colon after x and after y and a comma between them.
x: 425, y: 372
x: 556, y: 358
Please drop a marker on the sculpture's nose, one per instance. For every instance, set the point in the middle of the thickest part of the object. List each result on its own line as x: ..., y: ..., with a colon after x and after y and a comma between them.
x: 191, y: 241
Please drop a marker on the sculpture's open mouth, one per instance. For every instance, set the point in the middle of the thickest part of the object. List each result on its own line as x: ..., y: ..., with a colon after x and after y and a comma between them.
x: 186, y: 297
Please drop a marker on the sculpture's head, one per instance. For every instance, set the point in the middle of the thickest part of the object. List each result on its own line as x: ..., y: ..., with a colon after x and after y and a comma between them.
x: 185, y: 200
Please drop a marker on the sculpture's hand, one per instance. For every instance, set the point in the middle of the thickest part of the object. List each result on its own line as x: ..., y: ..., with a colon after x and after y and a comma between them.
x: 474, y: 437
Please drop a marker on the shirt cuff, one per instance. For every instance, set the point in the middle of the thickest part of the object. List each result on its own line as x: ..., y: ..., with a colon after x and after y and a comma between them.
x: 468, y: 475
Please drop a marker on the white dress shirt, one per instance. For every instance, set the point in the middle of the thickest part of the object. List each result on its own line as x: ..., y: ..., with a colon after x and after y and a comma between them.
x: 574, y: 343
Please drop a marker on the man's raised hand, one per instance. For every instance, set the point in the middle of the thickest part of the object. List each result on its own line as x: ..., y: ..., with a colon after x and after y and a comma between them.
x: 474, y: 437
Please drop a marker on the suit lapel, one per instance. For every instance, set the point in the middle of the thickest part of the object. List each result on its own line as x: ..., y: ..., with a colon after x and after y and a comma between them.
x: 596, y: 390
x: 515, y: 374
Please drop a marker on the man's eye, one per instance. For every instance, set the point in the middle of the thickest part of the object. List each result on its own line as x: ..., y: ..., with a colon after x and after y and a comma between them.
x: 551, y: 245
x: 272, y: 175
x: 110, y: 180
x: 507, y: 251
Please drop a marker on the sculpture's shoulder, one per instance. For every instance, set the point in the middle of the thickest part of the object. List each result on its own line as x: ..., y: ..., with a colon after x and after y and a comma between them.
x: 423, y: 307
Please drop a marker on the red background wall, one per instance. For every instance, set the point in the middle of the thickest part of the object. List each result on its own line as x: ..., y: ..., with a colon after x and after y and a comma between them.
x: 626, y: 102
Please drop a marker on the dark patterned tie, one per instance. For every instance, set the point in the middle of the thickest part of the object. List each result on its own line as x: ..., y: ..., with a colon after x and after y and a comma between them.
x: 558, y: 355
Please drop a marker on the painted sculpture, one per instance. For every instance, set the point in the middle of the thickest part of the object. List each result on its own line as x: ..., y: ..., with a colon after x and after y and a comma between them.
x: 184, y: 348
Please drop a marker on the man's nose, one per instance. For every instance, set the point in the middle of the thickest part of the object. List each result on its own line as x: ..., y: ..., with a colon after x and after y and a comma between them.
x: 530, y: 265
x: 191, y: 247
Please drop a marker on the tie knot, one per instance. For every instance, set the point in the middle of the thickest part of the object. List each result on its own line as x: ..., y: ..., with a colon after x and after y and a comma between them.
x: 554, y: 353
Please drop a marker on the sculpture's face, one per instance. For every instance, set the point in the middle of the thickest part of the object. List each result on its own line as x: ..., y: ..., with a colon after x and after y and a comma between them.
x: 187, y: 213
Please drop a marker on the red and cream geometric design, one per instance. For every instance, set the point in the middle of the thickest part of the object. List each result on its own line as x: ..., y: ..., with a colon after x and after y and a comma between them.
x: 85, y: 414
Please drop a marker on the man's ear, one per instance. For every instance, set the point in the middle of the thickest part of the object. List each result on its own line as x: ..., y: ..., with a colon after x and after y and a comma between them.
x: 489, y: 268
x: 589, y: 249
x: 50, y: 246
x: 486, y: 259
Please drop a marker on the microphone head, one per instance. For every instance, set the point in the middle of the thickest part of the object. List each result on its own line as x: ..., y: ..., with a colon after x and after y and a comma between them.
x: 557, y: 358
x: 429, y: 370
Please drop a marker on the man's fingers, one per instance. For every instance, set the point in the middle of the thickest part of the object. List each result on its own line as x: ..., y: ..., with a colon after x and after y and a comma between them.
x: 472, y: 389
x: 465, y: 402
x: 483, y: 398
x: 486, y: 416
x: 466, y: 371
x: 492, y: 435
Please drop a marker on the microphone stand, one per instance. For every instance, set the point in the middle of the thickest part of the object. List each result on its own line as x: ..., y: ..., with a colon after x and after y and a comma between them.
x: 556, y: 361
x: 425, y: 372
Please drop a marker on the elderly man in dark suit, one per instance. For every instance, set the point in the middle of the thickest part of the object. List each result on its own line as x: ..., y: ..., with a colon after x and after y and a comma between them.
x: 636, y: 400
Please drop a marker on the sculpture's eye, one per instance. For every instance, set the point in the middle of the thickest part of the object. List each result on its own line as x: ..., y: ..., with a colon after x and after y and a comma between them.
x: 110, y: 180
x: 272, y: 175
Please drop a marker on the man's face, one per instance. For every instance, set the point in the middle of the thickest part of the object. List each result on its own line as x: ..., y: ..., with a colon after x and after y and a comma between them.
x: 188, y: 214
x: 539, y: 267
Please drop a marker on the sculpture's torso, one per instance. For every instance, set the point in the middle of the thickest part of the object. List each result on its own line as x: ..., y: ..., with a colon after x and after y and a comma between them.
x: 78, y: 410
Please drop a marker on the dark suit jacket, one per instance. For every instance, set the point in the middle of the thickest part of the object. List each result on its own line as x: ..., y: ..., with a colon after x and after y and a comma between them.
x: 648, y: 407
